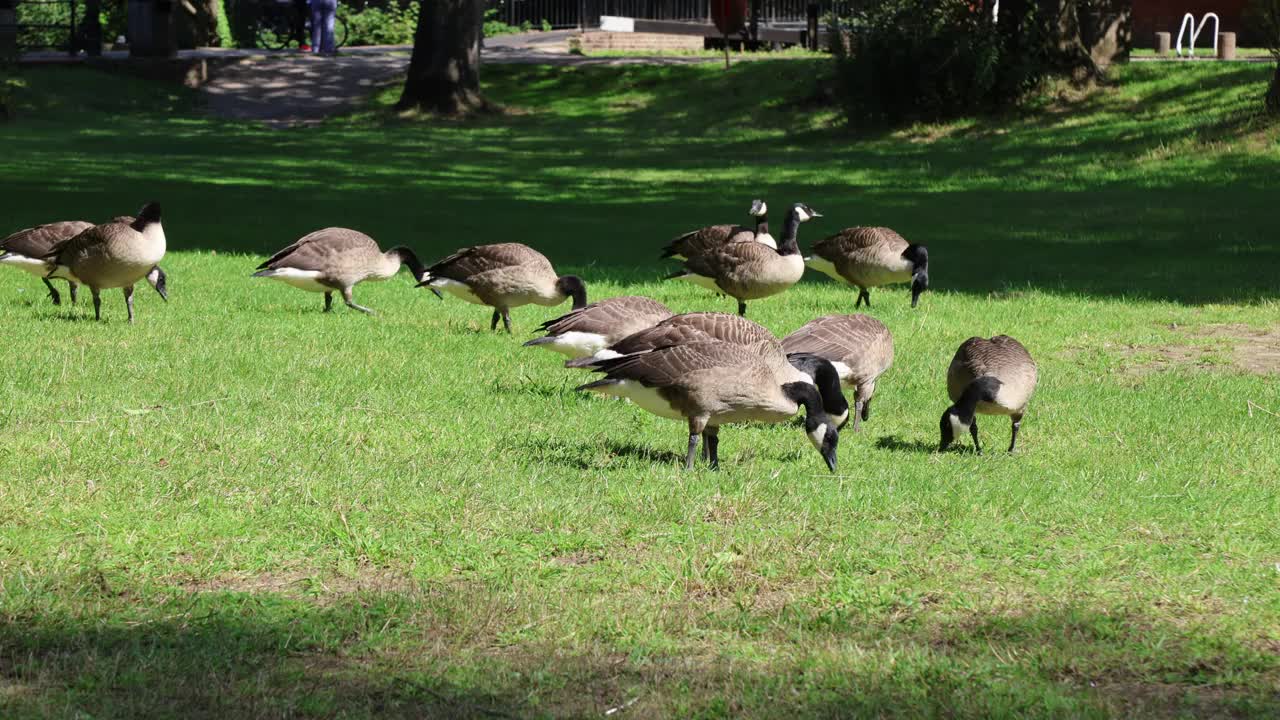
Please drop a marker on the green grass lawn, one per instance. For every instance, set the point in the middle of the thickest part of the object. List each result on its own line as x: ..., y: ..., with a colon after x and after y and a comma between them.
x: 241, y: 506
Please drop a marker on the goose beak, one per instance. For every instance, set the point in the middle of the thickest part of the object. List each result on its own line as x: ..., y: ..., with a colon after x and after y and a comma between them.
x: 830, y: 456
x: 159, y: 281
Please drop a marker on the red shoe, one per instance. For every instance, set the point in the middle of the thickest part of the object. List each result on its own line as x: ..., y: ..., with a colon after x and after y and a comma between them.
x: 304, y: 48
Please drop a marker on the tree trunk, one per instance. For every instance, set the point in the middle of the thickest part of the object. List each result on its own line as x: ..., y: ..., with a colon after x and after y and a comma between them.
x: 1273, y: 92
x: 444, y: 72
x: 1068, y: 42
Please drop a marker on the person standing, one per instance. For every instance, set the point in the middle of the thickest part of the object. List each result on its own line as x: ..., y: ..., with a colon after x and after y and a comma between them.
x: 323, y: 13
x: 300, y: 12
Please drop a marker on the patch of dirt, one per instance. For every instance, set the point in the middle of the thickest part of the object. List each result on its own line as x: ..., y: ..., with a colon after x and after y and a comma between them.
x: 578, y: 558
x: 303, y: 584
x: 1252, y: 350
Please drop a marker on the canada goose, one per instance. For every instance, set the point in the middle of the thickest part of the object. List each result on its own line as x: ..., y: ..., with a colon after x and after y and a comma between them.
x: 870, y: 257
x: 859, y: 346
x: 584, y: 332
x: 711, y: 384
x: 337, y: 259
x: 992, y: 377
x: 113, y: 255
x: 750, y: 271
x: 26, y: 249
x: 702, y: 240
x: 734, y: 330
x: 503, y: 276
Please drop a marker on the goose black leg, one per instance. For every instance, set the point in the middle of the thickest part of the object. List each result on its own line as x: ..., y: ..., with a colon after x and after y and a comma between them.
x: 97, y: 304
x: 73, y: 288
x: 863, y: 296
x: 858, y: 406
x: 53, y: 292
x: 1017, y: 425
x: 696, y: 426
x: 973, y: 430
x: 506, y: 320
x: 742, y: 308
x: 866, y: 409
x: 128, y: 300
x: 711, y: 440
x: 328, y: 301
x: 346, y: 298
x: 493, y: 322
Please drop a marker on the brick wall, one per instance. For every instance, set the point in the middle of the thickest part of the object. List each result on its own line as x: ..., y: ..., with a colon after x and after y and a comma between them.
x: 597, y: 40
x: 1152, y: 16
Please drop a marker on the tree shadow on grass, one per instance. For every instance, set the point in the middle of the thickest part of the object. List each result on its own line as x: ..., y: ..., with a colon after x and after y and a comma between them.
x: 893, y: 442
x: 237, y: 654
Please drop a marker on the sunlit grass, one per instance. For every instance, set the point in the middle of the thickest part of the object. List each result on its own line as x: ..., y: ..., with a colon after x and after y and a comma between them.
x: 241, y: 506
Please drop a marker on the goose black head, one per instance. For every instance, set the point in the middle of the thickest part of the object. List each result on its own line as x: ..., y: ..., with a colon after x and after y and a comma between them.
x: 758, y: 208
x: 148, y: 215
x: 573, y: 286
x: 410, y: 258
x: 918, y: 256
x: 804, y: 213
x: 159, y: 281
x: 959, y: 418
x: 818, y: 425
x: 827, y: 380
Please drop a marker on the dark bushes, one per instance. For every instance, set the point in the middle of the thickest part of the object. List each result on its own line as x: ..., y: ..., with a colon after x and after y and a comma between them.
x: 909, y: 60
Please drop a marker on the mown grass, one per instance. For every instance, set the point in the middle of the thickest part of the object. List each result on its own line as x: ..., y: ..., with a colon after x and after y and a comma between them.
x: 240, y: 506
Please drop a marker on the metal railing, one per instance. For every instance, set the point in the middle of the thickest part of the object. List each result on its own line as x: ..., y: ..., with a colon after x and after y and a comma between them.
x: 587, y: 13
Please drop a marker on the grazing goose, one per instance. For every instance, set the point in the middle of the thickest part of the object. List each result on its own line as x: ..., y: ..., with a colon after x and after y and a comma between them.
x: 503, y: 276
x: 337, y: 259
x: 870, y: 257
x: 992, y: 377
x: 704, y: 239
x: 733, y: 330
x: 859, y: 346
x: 585, y: 332
x: 710, y: 384
x: 750, y: 270
x: 27, y: 248
x: 113, y: 255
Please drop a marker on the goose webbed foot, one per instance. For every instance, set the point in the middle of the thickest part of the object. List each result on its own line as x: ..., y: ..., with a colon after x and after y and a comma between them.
x: 53, y: 292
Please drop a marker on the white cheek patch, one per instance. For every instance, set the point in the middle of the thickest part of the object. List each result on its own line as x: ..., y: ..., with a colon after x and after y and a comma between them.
x: 801, y: 215
x: 816, y: 437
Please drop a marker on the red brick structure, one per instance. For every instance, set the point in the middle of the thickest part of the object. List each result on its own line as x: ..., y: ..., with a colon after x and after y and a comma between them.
x: 1152, y: 16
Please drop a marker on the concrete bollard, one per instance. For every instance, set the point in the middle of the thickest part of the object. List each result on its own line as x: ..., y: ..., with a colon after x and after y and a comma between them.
x: 1227, y: 46
x: 8, y: 30
x: 1164, y: 41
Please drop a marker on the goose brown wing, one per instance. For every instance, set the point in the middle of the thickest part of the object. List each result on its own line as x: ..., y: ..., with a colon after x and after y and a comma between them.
x: 723, y: 326
x: 706, y: 239
x: 38, y: 241
x: 659, y: 336
x: 728, y: 258
x: 471, y: 261
x: 669, y: 366
x: 312, y: 250
x: 84, y: 242
x: 835, y: 337
x: 855, y: 239
x: 608, y: 314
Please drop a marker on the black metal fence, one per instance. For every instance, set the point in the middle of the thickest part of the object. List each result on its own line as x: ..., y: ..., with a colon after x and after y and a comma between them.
x: 586, y: 13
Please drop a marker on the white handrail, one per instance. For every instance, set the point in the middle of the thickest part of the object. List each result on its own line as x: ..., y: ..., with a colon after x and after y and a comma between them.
x: 1189, y: 23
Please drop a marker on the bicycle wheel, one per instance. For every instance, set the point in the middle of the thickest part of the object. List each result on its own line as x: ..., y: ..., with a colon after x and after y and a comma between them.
x: 339, y: 32
x: 275, y: 32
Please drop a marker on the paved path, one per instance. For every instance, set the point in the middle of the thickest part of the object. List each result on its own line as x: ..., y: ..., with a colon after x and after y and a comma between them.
x: 284, y: 88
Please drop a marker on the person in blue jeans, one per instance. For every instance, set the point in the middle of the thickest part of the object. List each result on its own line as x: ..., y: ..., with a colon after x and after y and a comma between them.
x: 323, y: 13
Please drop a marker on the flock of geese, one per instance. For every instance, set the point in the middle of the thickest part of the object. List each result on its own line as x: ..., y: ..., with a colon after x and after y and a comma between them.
x: 706, y: 368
